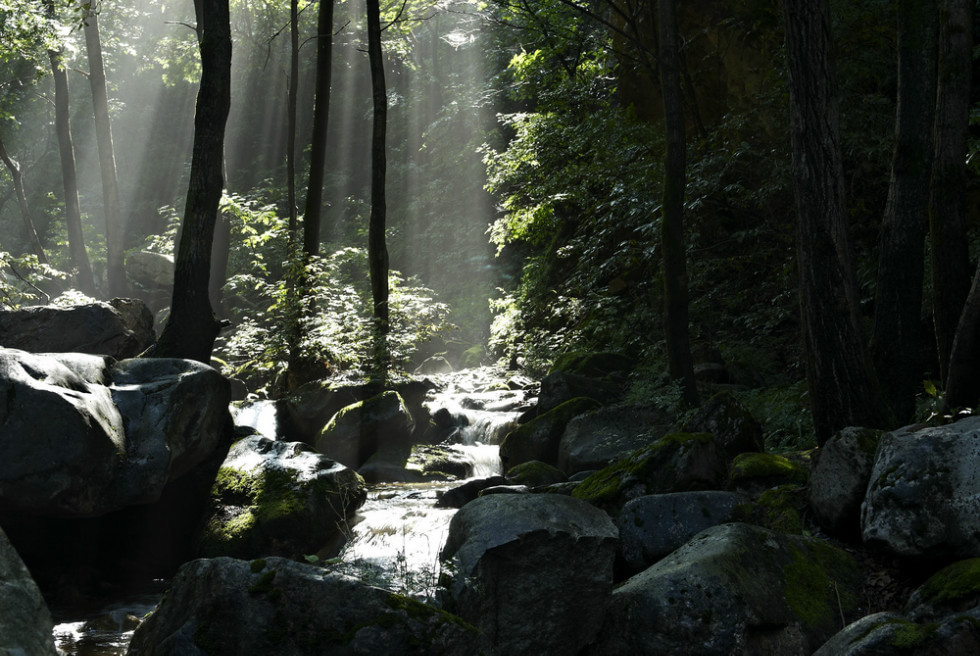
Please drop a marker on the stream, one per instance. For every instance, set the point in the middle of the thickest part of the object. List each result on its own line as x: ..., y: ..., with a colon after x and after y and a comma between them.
x: 393, y: 541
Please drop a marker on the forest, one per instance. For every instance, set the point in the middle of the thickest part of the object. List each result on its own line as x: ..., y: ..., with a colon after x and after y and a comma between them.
x: 774, y: 201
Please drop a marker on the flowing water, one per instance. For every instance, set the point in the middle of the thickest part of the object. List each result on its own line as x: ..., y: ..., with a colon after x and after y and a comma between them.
x: 394, y: 540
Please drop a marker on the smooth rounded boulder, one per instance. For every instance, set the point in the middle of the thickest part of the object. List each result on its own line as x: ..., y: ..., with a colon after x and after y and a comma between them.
x: 25, y: 623
x: 534, y: 572
x: 924, y: 492
x: 278, y: 607
x: 359, y: 430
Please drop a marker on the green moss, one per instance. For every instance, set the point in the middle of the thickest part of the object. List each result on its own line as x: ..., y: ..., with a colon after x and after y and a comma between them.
x: 535, y: 472
x: 867, y: 440
x: 958, y: 581
x: 767, y: 466
x: 264, y: 583
x: 819, y: 585
x: 257, y: 565
x: 780, y: 509
x: 909, y: 635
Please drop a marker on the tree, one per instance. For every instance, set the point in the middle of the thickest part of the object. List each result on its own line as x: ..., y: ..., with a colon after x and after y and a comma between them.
x: 377, y: 250
x: 947, y: 215
x: 680, y: 362
x: 898, y: 300
x: 13, y: 166
x: 842, y: 385
x: 66, y: 149
x: 192, y: 327
x: 291, y: 109
x: 115, y: 269
x: 321, y: 112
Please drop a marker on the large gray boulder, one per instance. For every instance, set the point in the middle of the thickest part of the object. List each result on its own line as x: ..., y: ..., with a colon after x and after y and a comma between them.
x: 25, y: 623
x: 652, y: 526
x: 278, y: 498
x: 81, y: 436
x: 924, y: 494
x: 734, y: 589
x: 277, y: 607
x: 839, y: 479
x: 120, y: 329
x: 538, y: 439
x: 595, y: 439
x: 533, y: 572
x: 359, y: 430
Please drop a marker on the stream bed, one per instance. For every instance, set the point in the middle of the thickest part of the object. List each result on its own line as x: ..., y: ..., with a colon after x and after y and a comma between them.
x: 393, y: 541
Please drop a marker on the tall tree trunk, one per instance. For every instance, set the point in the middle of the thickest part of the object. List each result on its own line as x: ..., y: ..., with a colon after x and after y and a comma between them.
x: 18, y: 178
x: 321, y: 111
x: 680, y: 362
x: 377, y: 250
x: 898, y: 301
x: 291, y: 108
x: 192, y: 327
x: 841, y: 381
x: 66, y: 149
x: 947, y: 215
x: 115, y: 271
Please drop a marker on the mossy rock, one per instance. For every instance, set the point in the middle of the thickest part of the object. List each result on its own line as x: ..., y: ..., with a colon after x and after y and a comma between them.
x: 766, y: 469
x: 592, y: 364
x: 539, y: 438
x: 678, y: 462
x: 473, y: 357
x: 535, y: 473
x: 953, y: 589
x: 360, y: 429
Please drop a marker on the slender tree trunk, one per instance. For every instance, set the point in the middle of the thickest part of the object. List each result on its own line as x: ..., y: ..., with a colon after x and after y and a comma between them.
x: 843, y: 388
x: 73, y: 213
x: 321, y: 110
x: 18, y: 178
x: 192, y: 327
x: 377, y: 250
x: 898, y: 301
x: 115, y: 270
x: 947, y: 214
x: 291, y: 108
x: 680, y: 362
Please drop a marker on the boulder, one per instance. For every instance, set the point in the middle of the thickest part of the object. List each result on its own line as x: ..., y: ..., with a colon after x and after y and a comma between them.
x: 559, y: 387
x: 122, y: 329
x: 82, y: 437
x: 277, y: 607
x: 595, y: 439
x: 734, y: 589
x: 728, y: 420
x: 25, y: 623
x: 953, y: 589
x: 885, y: 634
x: 461, y: 495
x: 152, y: 271
x: 680, y: 462
x: 535, y: 473
x: 839, y: 479
x: 360, y: 429
x: 278, y: 498
x: 924, y: 494
x: 760, y: 471
x: 538, y: 439
x: 534, y: 572
x: 652, y: 526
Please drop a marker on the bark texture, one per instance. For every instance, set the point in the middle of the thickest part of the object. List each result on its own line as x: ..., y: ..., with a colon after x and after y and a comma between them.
x: 321, y: 112
x: 377, y: 250
x: 17, y: 175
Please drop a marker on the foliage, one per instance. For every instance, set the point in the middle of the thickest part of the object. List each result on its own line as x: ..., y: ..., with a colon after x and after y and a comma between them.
x: 24, y: 281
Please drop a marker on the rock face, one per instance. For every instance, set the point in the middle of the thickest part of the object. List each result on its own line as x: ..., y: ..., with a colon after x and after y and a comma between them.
x: 653, y: 526
x: 361, y: 429
x: 278, y: 498
x: 595, y: 439
x: 120, y: 329
x: 533, y: 572
x: 277, y: 607
x: 25, y: 623
x: 924, y: 494
x: 80, y: 436
x: 733, y: 589
x: 538, y: 439
x: 839, y: 479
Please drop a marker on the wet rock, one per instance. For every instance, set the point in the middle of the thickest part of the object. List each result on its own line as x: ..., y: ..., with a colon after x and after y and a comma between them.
x: 360, y: 429
x: 595, y: 439
x: 278, y: 498
x: 535, y: 473
x: 653, y: 526
x: 533, y: 572
x: 680, y: 462
x: 121, y: 329
x: 839, y: 479
x: 277, y: 607
x: 25, y: 623
x: 505, y: 489
x: 539, y: 438
x: 434, y: 365
x: 441, y: 462
x: 728, y: 420
x: 80, y: 436
x: 924, y: 494
x: 459, y: 496
x: 734, y: 589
